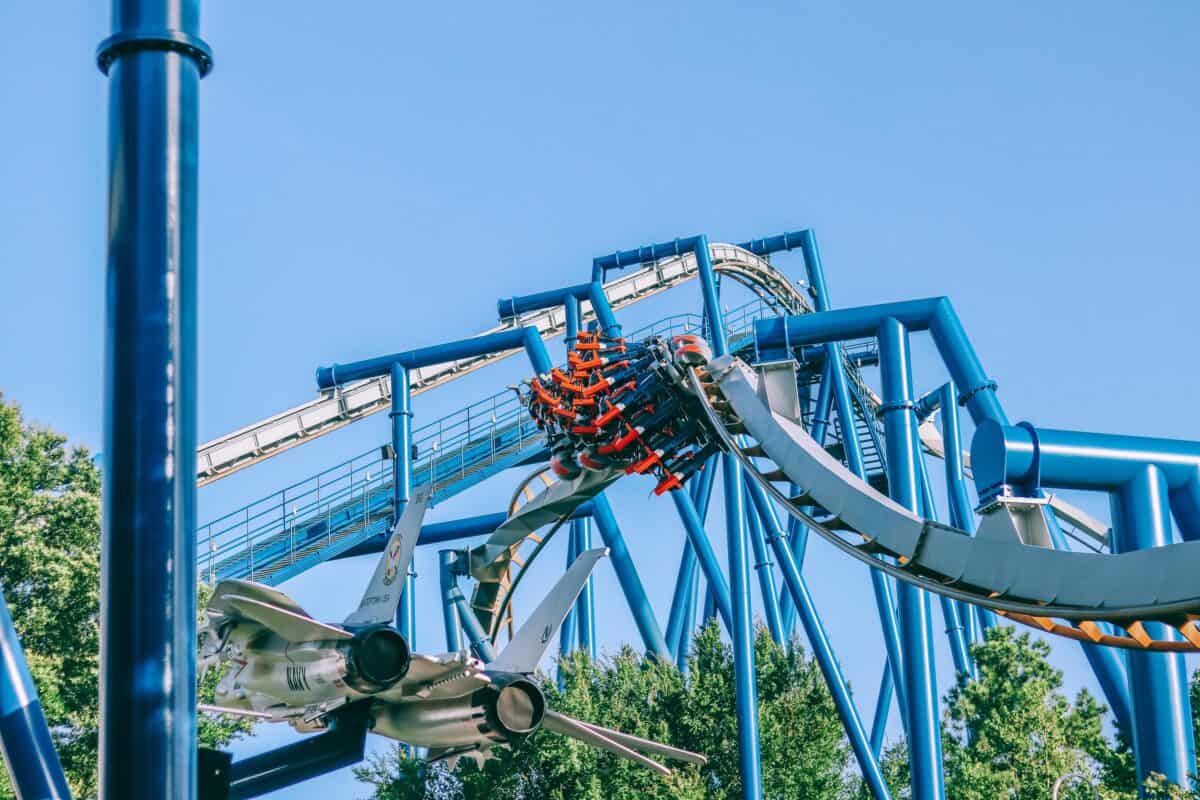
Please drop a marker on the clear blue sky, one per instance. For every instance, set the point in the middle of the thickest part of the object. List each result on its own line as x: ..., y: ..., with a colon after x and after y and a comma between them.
x: 374, y: 180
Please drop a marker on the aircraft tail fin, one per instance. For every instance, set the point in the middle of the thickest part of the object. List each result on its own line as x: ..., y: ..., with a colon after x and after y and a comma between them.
x: 529, y: 644
x: 379, y: 602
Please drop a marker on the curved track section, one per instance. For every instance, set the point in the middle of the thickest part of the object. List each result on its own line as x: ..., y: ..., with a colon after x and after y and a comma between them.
x: 491, y: 562
x: 335, y: 409
x: 1006, y: 567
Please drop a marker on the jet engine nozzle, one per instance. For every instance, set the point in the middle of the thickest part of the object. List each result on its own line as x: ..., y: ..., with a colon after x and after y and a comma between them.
x: 516, y: 708
x: 378, y: 657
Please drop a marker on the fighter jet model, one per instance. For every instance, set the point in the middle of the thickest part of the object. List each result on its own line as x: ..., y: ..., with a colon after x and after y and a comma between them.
x: 285, y: 666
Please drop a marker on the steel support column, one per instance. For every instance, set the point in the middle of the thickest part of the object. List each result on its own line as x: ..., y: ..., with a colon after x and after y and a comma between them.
x: 822, y: 650
x: 704, y: 554
x: 627, y: 576
x: 154, y: 60
x: 741, y: 632
x: 585, y: 606
x: 401, y: 418
x: 920, y: 690
x: 566, y: 632
x: 684, y: 580
x: 766, y: 576
x: 1162, y: 712
x: 956, y: 632
x: 448, y: 581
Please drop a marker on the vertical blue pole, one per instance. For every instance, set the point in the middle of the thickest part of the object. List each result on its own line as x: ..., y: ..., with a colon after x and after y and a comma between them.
x: 961, y: 514
x: 836, y: 376
x: 683, y: 646
x: 401, y: 416
x: 822, y: 649
x: 766, y: 577
x: 566, y: 633
x: 742, y: 632
x: 154, y: 61
x: 627, y: 576
x: 900, y: 428
x: 955, y: 631
x: 585, y: 606
x: 683, y: 584
x: 704, y: 554
x: 571, y: 309
x: 1162, y: 713
x: 883, y: 702
x: 24, y: 736
x: 446, y: 561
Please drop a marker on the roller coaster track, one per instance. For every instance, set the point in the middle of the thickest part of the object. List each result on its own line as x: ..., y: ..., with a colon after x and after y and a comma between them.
x: 337, y: 408
x: 302, y: 525
x: 1006, y: 567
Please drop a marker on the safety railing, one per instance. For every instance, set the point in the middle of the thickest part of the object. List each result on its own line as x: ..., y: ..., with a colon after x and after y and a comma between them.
x: 347, y: 503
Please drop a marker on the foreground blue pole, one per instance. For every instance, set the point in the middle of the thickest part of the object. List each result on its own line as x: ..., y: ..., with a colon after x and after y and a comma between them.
x: 627, y: 576
x: 29, y: 753
x: 154, y: 61
x: 920, y: 690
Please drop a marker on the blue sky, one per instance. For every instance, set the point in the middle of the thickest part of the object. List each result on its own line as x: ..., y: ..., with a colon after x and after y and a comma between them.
x: 372, y: 181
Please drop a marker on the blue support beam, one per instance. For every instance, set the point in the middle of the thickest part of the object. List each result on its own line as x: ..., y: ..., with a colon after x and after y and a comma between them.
x: 25, y: 741
x: 764, y: 567
x: 961, y: 514
x: 1162, y: 710
x: 920, y: 690
x: 154, y: 61
x: 956, y: 632
x: 843, y: 701
x: 585, y: 606
x: 684, y: 580
x: 401, y: 419
x: 937, y: 316
x: 566, y: 632
x: 592, y: 292
x: 1146, y: 479
x: 742, y: 631
x: 627, y: 576
x: 643, y: 255
x: 707, y: 558
x: 934, y: 314
x: 481, y: 645
x: 512, y: 339
x: 448, y: 581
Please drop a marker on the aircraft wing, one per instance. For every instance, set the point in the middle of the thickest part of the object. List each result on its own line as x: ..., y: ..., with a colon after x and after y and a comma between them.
x: 232, y: 587
x: 290, y: 625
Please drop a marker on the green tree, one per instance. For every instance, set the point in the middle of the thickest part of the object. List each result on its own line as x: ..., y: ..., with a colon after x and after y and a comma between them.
x: 1012, y: 733
x: 50, y: 574
x: 803, y: 750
